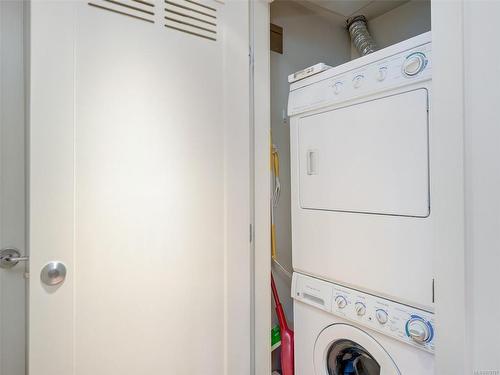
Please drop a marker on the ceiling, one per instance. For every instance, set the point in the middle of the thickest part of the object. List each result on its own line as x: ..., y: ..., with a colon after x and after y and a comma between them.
x: 348, y: 8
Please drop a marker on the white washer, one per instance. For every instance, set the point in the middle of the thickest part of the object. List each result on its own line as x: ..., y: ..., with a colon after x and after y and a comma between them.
x: 362, y: 173
x: 341, y: 331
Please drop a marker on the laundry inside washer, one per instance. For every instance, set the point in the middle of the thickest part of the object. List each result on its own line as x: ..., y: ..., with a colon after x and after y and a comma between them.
x: 345, y: 357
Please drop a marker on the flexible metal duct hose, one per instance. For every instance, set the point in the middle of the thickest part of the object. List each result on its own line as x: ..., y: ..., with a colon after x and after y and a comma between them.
x: 360, y: 36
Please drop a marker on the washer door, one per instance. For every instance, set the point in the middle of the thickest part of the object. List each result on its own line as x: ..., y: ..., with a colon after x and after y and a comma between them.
x: 342, y: 349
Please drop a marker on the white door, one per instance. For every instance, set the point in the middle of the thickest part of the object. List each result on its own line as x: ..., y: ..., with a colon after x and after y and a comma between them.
x: 128, y: 183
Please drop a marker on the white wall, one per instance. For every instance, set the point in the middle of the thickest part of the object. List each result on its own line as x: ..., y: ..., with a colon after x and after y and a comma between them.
x: 447, y: 112
x: 12, y: 193
x: 466, y: 87
x: 408, y: 20
x: 309, y: 37
x: 482, y: 187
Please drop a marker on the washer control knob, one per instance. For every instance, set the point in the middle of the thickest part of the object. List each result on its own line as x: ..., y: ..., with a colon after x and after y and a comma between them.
x: 382, y: 316
x: 341, y: 302
x: 414, y: 64
x: 360, y: 308
x: 382, y: 73
x: 357, y: 81
x: 419, y: 330
x: 337, y: 87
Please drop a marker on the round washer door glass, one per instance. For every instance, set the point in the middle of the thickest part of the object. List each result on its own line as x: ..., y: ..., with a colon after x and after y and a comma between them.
x: 343, y: 349
x: 345, y: 357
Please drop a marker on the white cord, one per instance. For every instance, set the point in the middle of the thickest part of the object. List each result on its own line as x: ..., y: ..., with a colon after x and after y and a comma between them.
x: 283, y: 269
x: 277, y: 191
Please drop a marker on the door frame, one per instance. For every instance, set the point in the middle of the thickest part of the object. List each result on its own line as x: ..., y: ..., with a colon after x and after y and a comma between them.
x: 261, y: 139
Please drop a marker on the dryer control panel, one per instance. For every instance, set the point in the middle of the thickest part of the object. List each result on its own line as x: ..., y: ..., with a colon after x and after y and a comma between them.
x: 402, y: 322
x: 396, y: 66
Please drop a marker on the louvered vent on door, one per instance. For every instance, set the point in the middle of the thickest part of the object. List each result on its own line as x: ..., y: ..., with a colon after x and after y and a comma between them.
x: 192, y: 17
x: 143, y: 10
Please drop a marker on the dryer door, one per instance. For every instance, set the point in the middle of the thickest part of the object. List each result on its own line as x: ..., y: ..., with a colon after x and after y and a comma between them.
x: 342, y: 349
x: 371, y: 157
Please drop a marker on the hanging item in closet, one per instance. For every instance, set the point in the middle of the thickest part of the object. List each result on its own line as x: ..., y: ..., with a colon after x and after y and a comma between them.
x: 287, y: 342
x: 286, y: 334
x: 276, y: 189
x: 275, y: 167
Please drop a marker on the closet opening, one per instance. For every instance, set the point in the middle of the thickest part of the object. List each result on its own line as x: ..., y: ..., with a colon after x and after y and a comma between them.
x: 349, y: 161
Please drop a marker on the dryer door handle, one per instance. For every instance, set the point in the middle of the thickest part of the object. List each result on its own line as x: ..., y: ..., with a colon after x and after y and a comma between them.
x: 312, y: 162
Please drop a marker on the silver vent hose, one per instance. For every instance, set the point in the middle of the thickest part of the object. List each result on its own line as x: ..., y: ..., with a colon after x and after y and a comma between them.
x: 360, y: 35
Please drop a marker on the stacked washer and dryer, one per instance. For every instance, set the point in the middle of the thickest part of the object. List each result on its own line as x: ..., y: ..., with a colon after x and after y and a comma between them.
x: 362, y: 220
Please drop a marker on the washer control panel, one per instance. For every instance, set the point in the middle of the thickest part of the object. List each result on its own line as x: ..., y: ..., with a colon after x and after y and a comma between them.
x: 405, y: 323
x: 354, y: 80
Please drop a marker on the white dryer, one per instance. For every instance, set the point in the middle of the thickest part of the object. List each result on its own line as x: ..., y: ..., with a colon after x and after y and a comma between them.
x: 362, y: 173
x: 341, y: 331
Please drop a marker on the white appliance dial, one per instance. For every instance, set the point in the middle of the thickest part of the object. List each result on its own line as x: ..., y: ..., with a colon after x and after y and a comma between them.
x: 337, y: 87
x: 419, y: 330
x: 382, y: 73
x: 414, y: 64
x: 382, y: 316
x: 341, y: 302
x: 360, y: 308
x: 357, y: 81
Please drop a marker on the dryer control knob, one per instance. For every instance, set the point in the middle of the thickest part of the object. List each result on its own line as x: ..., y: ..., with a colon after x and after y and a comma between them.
x: 382, y: 316
x: 382, y: 73
x: 414, y: 64
x: 341, y: 302
x: 419, y: 330
x: 337, y: 87
x: 360, y: 308
x: 357, y: 81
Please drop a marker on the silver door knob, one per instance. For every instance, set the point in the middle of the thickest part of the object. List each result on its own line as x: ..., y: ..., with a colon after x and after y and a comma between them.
x: 53, y: 273
x: 10, y: 257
